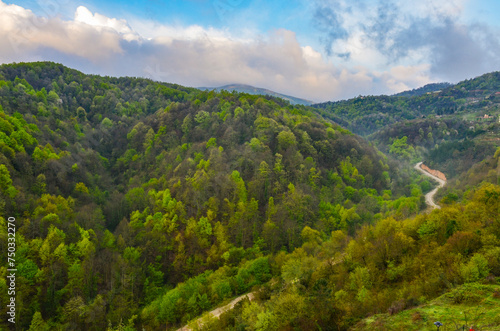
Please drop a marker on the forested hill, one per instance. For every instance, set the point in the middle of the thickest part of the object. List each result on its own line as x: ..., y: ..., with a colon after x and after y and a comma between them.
x: 367, y: 114
x: 123, y: 187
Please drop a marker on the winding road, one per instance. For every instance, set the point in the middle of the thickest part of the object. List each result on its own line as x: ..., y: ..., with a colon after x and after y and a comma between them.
x: 429, y: 197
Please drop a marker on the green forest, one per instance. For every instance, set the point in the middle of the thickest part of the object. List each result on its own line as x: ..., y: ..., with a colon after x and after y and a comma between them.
x: 141, y: 205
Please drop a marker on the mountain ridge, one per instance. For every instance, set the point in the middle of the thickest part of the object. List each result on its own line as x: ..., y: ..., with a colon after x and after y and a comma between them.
x: 365, y: 115
x: 428, y: 88
x: 244, y: 88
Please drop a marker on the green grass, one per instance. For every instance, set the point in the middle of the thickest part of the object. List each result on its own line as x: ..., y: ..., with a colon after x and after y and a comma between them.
x: 467, y: 305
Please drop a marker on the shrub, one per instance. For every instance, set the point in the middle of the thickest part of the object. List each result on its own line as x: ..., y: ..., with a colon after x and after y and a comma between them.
x: 468, y: 294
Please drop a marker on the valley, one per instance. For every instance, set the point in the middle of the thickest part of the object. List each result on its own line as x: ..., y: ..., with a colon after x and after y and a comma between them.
x: 146, y: 205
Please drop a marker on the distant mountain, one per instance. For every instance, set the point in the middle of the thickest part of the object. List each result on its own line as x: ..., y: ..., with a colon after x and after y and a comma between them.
x: 429, y: 88
x: 241, y: 88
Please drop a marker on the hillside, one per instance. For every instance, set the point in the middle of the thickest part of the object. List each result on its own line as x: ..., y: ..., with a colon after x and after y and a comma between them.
x: 452, y: 129
x: 122, y: 188
x: 140, y: 204
x: 394, y: 275
x: 467, y: 306
x: 485, y: 171
x: 449, y: 143
x: 472, y: 99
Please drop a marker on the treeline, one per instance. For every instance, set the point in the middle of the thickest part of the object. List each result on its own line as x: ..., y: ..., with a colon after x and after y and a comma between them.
x: 123, y: 188
x: 429, y: 88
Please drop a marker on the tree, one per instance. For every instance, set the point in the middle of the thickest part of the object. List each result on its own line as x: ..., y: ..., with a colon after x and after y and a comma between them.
x: 286, y: 139
x: 38, y: 324
x: 400, y: 148
x: 81, y: 114
x: 6, y: 188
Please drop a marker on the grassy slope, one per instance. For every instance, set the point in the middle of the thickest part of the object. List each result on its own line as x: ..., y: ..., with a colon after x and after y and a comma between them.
x: 470, y: 305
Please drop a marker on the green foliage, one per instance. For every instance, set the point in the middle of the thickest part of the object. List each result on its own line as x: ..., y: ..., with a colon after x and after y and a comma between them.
x: 367, y: 114
x: 286, y: 139
x: 6, y: 183
x: 211, y: 142
x: 38, y: 324
x: 141, y: 205
x: 475, y: 270
x: 15, y: 134
x: 401, y: 149
x: 28, y: 269
x: 107, y: 123
x: 467, y: 306
x: 202, y: 117
x: 45, y: 153
x: 204, y: 227
x: 467, y: 293
x: 289, y: 307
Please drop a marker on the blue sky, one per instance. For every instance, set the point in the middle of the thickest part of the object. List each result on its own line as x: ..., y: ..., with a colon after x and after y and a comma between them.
x: 319, y: 49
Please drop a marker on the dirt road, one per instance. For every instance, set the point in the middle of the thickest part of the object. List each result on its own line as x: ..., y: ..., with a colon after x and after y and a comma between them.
x: 429, y: 197
x: 218, y: 311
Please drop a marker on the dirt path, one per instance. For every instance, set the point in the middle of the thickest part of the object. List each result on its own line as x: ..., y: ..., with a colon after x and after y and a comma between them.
x: 219, y: 311
x: 429, y: 197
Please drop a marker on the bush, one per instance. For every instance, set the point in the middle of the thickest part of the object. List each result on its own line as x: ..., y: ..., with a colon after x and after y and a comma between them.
x: 475, y: 270
x: 467, y: 293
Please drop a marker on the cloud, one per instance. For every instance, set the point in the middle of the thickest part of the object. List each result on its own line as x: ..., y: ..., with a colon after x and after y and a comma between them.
x: 455, y: 50
x: 328, y: 20
x: 83, y: 15
x: 276, y: 61
x: 198, y: 56
x: 23, y: 33
x: 425, y: 34
x: 403, y: 78
x: 382, y: 26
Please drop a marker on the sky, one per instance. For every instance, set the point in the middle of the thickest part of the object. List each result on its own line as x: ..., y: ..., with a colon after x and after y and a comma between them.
x: 319, y: 50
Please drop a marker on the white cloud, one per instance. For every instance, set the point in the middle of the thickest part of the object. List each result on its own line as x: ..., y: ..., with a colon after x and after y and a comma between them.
x: 197, y: 56
x: 401, y: 78
x: 83, y: 15
x: 23, y: 34
x: 434, y: 36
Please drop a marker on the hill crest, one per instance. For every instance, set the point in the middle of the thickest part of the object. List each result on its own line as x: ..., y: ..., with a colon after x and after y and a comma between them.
x: 243, y: 88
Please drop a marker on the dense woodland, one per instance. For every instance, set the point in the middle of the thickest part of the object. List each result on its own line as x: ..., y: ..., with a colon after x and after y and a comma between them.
x: 141, y: 204
x: 450, y: 127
